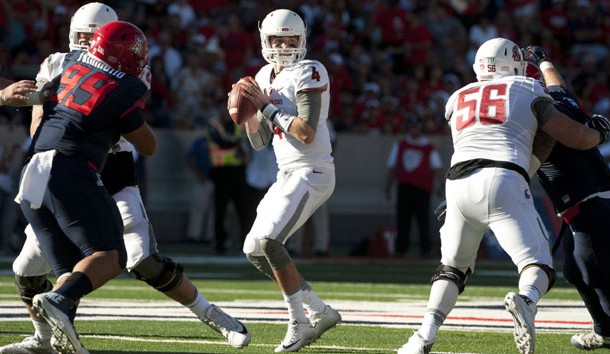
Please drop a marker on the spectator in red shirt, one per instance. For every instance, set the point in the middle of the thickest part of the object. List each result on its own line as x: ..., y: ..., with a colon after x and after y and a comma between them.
x: 238, y: 45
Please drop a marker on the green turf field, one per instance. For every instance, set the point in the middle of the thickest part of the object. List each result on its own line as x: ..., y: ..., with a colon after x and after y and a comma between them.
x: 234, y: 283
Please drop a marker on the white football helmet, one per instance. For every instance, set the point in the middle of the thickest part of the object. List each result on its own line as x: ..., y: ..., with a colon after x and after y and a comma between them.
x: 87, y: 19
x: 282, y: 23
x: 498, y: 57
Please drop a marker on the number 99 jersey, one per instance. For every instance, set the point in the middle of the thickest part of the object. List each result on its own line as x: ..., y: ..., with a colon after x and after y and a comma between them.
x: 90, y: 106
x: 494, y: 120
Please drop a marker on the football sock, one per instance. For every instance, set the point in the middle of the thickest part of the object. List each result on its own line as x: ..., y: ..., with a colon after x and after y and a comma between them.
x: 531, y: 281
x: 42, y: 329
x: 311, y: 301
x: 430, y: 325
x: 198, y: 305
x: 443, y: 296
x: 295, y: 306
x: 76, y: 286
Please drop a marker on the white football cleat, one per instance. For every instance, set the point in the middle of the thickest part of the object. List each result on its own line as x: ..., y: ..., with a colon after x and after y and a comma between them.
x: 299, y: 335
x: 523, y: 311
x: 325, y: 320
x: 416, y: 345
x: 587, y: 341
x: 30, y: 345
x: 65, y: 338
x: 234, y: 331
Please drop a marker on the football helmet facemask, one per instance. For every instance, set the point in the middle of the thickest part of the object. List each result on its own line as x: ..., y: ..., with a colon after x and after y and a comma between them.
x: 283, y: 23
x: 88, y: 19
x: 498, y: 57
x: 122, y: 46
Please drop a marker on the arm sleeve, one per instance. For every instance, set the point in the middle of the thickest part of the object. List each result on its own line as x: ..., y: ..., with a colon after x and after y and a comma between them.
x: 309, y: 104
x: 543, y: 109
x: 264, y: 134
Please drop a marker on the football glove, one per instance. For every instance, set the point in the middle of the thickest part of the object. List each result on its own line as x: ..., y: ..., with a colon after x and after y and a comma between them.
x: 534, y: 54
x: 601, y: 124
x: 440, y: 210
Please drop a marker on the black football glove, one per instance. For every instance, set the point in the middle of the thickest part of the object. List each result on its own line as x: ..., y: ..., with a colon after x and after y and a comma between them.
x: 601, y: 124
x: 440, y: 210
x: 534, y: 54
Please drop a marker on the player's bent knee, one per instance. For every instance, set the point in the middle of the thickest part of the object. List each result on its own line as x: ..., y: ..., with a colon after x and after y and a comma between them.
x: 162, y: 273
x: 28, y: 287
x: 261, y: 263
x: 550, y: 273
x: 252, y: 246
x: 451, y: 274
x: 275, y: 252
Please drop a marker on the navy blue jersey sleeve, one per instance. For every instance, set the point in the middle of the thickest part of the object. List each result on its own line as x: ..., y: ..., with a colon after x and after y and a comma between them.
x: 567, y: 103
x: 131, y: 121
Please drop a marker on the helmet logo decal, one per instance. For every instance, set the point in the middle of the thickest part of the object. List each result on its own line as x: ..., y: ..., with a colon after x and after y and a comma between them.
x: 138, y: 46
x: 516, y: 53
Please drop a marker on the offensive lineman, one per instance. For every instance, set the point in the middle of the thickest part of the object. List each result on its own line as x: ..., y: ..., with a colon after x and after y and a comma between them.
x: 493, y: 123
x: 143, y: 259
x: 292, y: 95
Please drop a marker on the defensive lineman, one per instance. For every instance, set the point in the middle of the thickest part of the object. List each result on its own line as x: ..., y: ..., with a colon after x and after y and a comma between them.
x: 292, y: 95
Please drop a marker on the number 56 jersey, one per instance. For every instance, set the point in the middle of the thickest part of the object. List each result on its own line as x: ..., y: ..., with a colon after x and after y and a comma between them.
x: 91, y: 104
x: 495, y: 120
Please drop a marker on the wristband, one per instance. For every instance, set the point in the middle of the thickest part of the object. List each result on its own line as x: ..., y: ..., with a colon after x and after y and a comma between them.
x: 269, y: 111
x: 546, y: 65
x: 1, y: 98
x: 277, y: 116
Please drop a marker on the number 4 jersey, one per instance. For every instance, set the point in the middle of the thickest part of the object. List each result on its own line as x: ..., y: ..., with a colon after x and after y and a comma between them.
x: 90, y: 106
x: 495, y: 120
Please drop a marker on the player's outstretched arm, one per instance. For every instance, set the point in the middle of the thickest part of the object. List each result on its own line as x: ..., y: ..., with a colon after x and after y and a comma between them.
x: 537, y: 56
x: 575, y: 135
x: 21, y: 93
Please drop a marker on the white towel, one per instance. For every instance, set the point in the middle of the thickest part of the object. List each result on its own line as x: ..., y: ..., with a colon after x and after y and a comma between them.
x: 35, y: 179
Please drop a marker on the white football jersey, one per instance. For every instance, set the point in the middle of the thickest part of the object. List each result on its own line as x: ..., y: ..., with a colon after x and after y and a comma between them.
x: 52, y: 66
x: 494, y: 120
x: 302, y: 76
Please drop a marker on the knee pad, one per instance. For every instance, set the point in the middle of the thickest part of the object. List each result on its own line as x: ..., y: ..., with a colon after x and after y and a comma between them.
x: 452, y: 274
x: 28, y: 287
x: 550, y: 273
x: 275, y: 252
x: 261, y: 263
x: 162, y: 273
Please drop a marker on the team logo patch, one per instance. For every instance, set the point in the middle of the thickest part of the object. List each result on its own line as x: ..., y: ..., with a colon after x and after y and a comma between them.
x: 138, y: 46
x: 516, y: 53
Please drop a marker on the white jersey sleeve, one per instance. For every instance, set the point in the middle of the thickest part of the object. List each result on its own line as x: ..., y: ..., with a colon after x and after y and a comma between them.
x: 494, y: 120
x: 306, y: 75
x: 50, y: 68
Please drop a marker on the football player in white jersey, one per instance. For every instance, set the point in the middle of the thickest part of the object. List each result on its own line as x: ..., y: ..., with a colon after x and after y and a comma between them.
x: 493, y: 123
x: 143, y: 259
x: 292, y: 95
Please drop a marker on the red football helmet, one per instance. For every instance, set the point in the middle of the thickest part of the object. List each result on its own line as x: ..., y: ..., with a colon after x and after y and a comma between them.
x: 533, y: 71
x: 122, y: 46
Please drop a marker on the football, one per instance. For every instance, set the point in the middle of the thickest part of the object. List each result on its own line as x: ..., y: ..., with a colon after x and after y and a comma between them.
x: 240, y: 108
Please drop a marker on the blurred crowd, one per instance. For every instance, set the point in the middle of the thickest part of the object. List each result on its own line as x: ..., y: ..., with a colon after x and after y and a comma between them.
x: 389, y: 60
